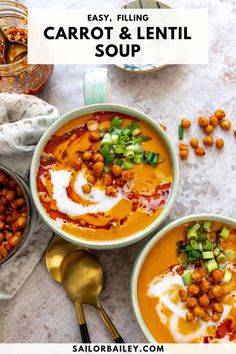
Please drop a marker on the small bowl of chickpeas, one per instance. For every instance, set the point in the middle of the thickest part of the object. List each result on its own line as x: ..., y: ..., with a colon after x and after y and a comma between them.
x: 15, y: 211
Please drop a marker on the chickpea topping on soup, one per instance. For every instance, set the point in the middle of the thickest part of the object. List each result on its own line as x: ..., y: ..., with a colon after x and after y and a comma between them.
x: 189, y: 296
x: 104, y: 176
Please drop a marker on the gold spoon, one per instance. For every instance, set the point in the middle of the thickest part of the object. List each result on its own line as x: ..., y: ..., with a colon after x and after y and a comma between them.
x: 56, y: 252
x: 82, y: 279
x: 12, y: 50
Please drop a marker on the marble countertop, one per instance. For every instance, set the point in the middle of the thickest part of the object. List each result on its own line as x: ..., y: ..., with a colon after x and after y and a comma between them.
x: 41, y: 312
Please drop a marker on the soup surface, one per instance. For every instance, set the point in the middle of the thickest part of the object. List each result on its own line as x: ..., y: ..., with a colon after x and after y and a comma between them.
x: 187, y: 285
x: 104, y: 176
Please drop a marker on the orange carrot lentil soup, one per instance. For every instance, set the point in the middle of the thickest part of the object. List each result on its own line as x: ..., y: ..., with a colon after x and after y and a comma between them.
x: 187, y: 285
x: 104, y: 176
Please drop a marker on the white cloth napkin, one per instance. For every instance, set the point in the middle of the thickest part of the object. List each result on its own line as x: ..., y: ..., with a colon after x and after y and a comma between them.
x: 23, y: 120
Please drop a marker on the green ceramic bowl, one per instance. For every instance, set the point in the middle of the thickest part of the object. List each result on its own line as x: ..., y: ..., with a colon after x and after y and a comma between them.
x: 124, y: 241
x: 145, y: 252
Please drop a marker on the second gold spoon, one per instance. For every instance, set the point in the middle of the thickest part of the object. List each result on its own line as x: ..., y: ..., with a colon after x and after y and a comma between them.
x: 82, y: 279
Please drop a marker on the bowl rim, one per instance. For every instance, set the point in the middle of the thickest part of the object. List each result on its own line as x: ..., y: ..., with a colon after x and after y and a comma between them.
x: 124, y: 241
x: 26, y: 192
x: 147, y: 248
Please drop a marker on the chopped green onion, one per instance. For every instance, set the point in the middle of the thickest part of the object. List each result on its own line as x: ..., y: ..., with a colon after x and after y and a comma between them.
x: 116, y: 122
x: 126, y: 131
x: 230, y: 254
x: 195, y: 255
x: 194, y: 244
x: 136, y: 132
x: 188, y: 248
x: 106, y: 169
x: 109, y: 159
x: 207, y: 225
x: 127, y: 165
x: 119, y: 149
x: 129, y: 154
x: 138, y: 159
x: 207, y: 255
x: 216, y: 251
x: 106, y: 139
x: 200, y: 246
x: 225, y: 233
x: 183, y: 258
x: 119, y: 162
x: 211, y: 265
x: 223, y: 265
x: 111, y: 130
x: 201, y: 236
x: 192, y: 232
x: 221, y: 258
x: 134, y: 125
x: 105, y: 150
x: 187, y: 278
x: 155, y: 159
x: 208, y: 246
x: 227, y: 276
x: 181, y: 132
x: 114, y: 139
x: 149, y: 156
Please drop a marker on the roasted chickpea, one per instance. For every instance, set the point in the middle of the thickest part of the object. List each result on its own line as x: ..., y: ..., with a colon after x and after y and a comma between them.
x: 3, y: 251
x: 217, y: 307
x: 107, y: 180
x: 1, y: 237
x: 190, y: 316
x: 203, y: 121
x: 215, y: 317
x: 186, y: 124
x: 2, y: 208
x: 86, y: 188
x: 111, y: 191
x: 213, y: 120
x: 128, y: 175
x: 12, y: 184
x: 200, y: 151
x: 19, y: 191
x: 120, y: 182
x: 199, y: 312
x: 183, y: 295
x: 97, y: 157
x: 197, y: 276
x: 94, y: 136
x: 92, y: 125
x: 208, y: 140
x: 98, y: 168
x: 87, y: 156
x: 183, y: 154
x: 20, y: 222
x: 220, y: 143
x: 206, y: 317
x: 218, y: 290
x: 194, y: 142
x: 10, y: 195
x: 209, y: 129
x: 225, y: 124
x: 204, y: 300
x: 2, y: 225
x: 183, y: 146
x: 205, y: 286
x: 220, y: 114
x: 217, y: 275
x: 14, y: 240
x: 91, y: 179
x: 116, y: 170
x: 192, y: 302
x: 193, y: 289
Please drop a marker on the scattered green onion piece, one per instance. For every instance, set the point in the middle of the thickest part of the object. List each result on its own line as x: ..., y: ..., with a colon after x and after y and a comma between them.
x: 116, y: 122
x: 195, y: 254
x: 105, y: 150
x: 155, y: 159
x: 127, y: 165
x: 146, y: 138
x: 192, y: 232
x: 138, y: 159
x: 183, y: 258
x: 227, y: 276
x: 188, y: 248
x: 109, y: 159
x: 136, y: 131
x: 149, y: 156
x: 134, y: 125
x: 138, y: 140
x: 225, y: 233
x: 181, y: 132
x: 184, y: 265
x: 221, y: 258
x: 207, y: 225
x: 106, y: 169
x: 208, y: 246
x: 200, y: 246
x: 111, y: 130
x: 187, y: 278
x: 194, y: 245
x: 230, y: 254
x: 119, y: 149
x: 126, y: 131
x: 129, y: 154
x: 207, y: 255
x: 223, y: 265
x: 211, y: 265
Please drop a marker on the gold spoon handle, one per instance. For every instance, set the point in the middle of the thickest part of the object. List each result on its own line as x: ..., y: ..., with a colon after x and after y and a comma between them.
x: 110, y: 326
x: 82, y: 323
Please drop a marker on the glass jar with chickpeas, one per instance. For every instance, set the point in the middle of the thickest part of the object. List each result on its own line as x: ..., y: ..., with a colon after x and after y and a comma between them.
x: 15, y: 213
